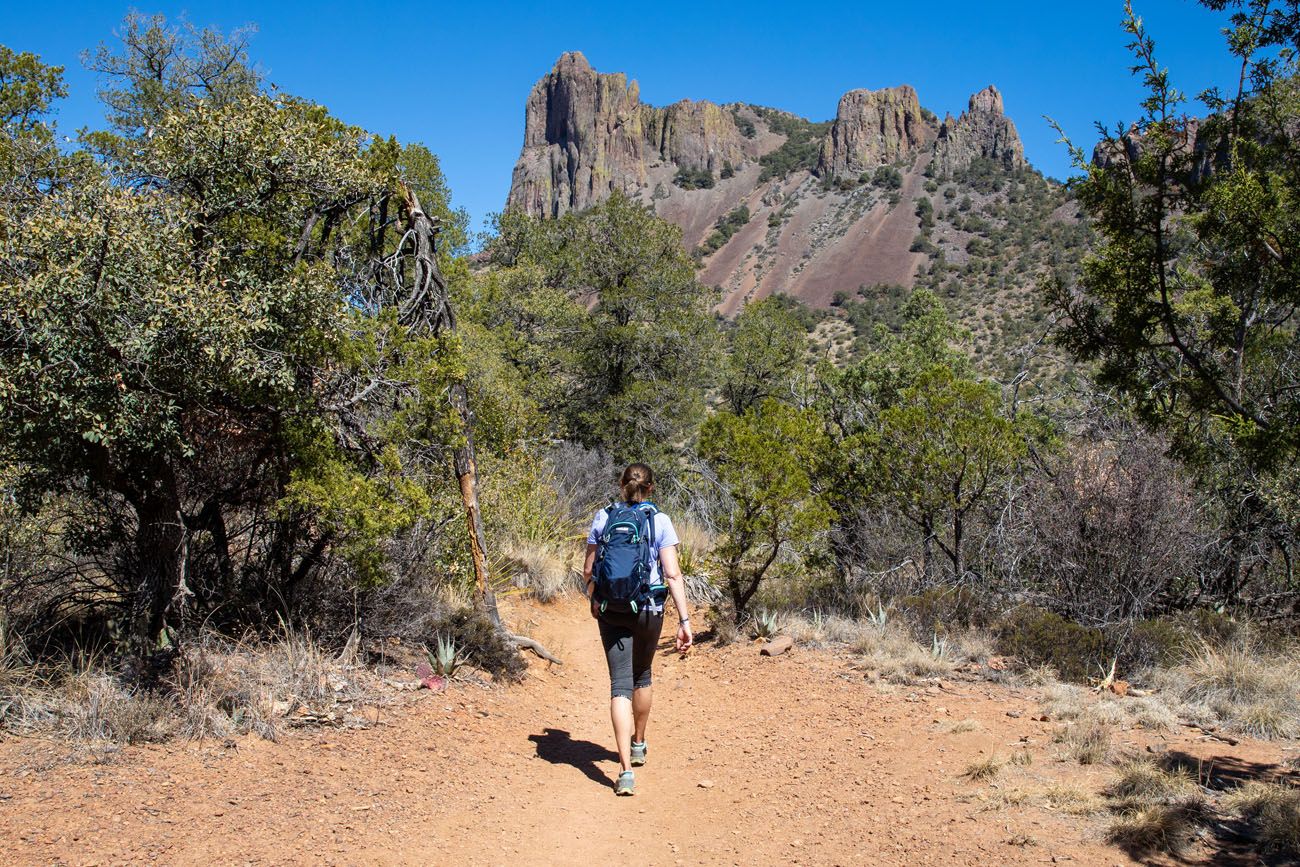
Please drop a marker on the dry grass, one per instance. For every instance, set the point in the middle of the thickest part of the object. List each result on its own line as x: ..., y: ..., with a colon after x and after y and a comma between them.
x: 542, y: 570
x: 217, y: 688
x: 895, y: 657
x: 985, y: 769
x: 1162, y: 828
x: 1151, y: 713
x: 1035, y: 675
x: 972, y: 645
x: 97, y: 707
x: 1067, y: 702
x: 1073, y: 800
x: 1086, y: 741
x: 1273, y: 812
x: 962, y: 726
x: 84, y: 703
x: 826, y: 630
x: 1064, y: 701
x: 1023, y: 758
x: 695, y: 547
x: 1239, y: 688
x: 1143, y: 782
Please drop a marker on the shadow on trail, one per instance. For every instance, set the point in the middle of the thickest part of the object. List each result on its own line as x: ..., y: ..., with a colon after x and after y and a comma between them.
x: 559, y: 748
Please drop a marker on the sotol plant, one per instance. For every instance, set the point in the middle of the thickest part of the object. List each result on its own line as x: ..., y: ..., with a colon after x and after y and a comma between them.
x: 879, y: 617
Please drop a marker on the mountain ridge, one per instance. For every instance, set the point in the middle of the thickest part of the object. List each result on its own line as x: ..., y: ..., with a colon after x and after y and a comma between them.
x: 879, y: 199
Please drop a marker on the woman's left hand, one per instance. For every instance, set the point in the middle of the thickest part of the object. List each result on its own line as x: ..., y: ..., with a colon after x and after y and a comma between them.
x: 684, y: 638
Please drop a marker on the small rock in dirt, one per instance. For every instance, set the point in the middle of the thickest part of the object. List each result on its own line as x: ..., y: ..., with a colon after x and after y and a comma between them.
x: 777, y: 646
x: 1043, y: 718
x: 1157, y: 748
x: 1014, y: 714
x: 705, y: 784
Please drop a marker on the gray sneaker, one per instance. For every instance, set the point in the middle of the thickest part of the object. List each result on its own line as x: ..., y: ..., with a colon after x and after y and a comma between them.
x: 626, y: 784
x: 638, y: 754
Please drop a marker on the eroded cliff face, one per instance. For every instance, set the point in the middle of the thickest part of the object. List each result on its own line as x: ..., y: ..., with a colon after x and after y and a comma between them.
x: 983, y: 130
x: 696, y: 135
x: 587, y: 134
x: 820, y: 223
x: 874, y: 128
x: 582, y: 140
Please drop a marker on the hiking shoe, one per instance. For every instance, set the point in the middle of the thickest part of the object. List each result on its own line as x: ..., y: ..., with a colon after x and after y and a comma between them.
x: 626, y: 784
x: 638, y: 754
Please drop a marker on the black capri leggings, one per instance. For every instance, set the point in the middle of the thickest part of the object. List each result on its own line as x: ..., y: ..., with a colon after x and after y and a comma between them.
x: 630, y: 641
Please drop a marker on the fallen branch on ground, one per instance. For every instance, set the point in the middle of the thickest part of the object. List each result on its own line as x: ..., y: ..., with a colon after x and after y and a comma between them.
x: 534, y: 646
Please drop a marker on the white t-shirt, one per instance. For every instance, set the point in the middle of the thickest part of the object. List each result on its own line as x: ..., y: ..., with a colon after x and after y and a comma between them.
x: 662, y: 536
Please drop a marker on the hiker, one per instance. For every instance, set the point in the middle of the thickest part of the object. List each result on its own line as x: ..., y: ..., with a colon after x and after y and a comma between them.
x: 631, y: 550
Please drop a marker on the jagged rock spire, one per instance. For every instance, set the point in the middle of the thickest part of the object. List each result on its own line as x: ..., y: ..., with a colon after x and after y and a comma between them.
x: 983, y: 130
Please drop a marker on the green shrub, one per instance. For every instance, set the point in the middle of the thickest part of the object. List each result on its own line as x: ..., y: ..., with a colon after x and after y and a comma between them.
x: 694, y: 179
x: 1040, y: 637
x: 727, y: 225
x: 1155, y: 643
x: 925, y: 212
x: 888, y: 178
x: 744, y: 124
x: 801, y: 148
x: 939, y: 609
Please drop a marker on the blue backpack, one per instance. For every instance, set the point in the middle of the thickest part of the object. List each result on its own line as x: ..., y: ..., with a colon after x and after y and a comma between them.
x: 622, y: 567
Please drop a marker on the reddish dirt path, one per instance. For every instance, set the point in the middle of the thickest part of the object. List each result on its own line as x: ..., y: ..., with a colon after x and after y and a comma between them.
x: 808, y: 763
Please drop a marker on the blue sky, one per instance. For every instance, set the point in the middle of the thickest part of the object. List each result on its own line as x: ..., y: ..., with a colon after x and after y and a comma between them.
x: 455, y: 76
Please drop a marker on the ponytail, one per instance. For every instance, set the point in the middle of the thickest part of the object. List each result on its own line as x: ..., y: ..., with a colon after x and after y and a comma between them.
x: 637, y: 483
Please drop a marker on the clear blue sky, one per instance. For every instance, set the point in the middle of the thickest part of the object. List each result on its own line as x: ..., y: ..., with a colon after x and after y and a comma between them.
x: 455, y: 76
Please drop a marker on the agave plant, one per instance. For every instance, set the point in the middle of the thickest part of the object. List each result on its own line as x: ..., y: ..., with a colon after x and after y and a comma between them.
x: 766, y: 623
x: 938, y: 647
x: 446, y: 658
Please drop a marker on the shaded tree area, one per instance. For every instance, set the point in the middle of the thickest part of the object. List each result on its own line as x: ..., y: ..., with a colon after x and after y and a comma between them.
x: 230, y: 366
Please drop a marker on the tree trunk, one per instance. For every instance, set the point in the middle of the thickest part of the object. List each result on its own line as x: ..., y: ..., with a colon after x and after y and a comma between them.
x: 159, y: 561
x: 958, y: 565
x: 467, y: 475
x: 430, y: 304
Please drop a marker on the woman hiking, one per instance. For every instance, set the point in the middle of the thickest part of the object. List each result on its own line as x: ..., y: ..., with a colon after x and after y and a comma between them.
x: 631, y: 550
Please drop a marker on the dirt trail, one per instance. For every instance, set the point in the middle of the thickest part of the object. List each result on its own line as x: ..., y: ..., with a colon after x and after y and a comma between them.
x: 753, y: 760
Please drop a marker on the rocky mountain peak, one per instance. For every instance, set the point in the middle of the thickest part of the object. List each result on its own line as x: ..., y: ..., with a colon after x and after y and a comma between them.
x: 582, y: 139
x: 982, y: 131
x: 873, y: 128
x: 987, y: 100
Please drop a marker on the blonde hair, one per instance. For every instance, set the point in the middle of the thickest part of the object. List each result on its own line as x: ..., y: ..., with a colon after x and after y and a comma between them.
x: 637, y: 483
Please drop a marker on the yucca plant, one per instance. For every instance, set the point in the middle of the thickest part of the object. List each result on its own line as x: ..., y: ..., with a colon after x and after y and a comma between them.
x: 879, y: 617
x: 938, y: 647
